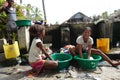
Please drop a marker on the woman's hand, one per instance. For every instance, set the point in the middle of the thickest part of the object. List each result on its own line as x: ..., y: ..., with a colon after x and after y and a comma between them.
x: 5, y: 4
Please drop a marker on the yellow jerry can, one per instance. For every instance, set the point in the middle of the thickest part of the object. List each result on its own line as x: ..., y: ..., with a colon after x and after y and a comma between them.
x: 12, y: 50
x: 103, y: 44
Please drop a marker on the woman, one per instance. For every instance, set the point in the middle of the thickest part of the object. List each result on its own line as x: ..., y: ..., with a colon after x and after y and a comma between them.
x: 84, y: 44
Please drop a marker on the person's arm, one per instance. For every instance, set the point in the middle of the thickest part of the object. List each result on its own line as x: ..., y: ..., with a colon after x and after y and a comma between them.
x: 89, y: 51
x: 43, y: 50
x: 2, y: 9
x: 80, y: 50
x: 4, y: 6
x: 90, y: 46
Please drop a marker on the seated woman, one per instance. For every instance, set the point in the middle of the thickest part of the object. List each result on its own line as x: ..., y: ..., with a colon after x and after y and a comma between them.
x: 84, y: 44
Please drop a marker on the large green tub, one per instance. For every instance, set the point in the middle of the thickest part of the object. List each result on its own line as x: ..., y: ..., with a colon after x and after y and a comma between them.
x: 63, y: 60
x: 87, y: 64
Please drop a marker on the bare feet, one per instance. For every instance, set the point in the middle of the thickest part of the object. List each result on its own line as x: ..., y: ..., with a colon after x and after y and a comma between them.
x: 116, y: 64
x: 32, y: 73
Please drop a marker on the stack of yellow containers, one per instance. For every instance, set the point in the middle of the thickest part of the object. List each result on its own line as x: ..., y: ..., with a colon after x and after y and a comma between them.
x: 103, y: 44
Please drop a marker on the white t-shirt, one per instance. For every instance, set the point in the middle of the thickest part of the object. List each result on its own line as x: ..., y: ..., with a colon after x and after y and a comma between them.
x: 35, y: 52
x: 84, y: 45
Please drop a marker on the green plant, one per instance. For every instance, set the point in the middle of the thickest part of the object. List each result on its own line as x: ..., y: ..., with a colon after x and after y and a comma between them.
x: 2, y: 21
x: 32, y: 13
x: 19, y: 12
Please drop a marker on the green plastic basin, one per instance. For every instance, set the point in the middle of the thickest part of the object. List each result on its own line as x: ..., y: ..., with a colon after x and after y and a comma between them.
x: 87, y: 64
x: 22, y: 23
x: 63, y: 60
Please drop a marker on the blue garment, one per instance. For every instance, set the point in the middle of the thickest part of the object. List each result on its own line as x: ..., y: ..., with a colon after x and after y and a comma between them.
x: 11, y: 13
x: 11, y: 18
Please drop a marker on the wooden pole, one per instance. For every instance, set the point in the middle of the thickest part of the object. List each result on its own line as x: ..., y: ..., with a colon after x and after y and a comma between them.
x: 45, y: 20
x: 20, y: 1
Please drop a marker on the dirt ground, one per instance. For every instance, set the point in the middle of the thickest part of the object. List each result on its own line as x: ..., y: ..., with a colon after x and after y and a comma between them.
x: 104, y: 71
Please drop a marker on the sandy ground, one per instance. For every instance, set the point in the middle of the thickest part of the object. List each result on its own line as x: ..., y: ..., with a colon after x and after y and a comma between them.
x: 103, y: 72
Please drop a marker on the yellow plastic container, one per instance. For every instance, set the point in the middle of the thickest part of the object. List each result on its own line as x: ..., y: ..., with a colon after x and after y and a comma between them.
x: 11, y: 51
x: 103, y: 44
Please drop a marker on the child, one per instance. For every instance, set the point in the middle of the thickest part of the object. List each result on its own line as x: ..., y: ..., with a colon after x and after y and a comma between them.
x: 84, y: 44
x: 11, y: 26
x: 37, y: 49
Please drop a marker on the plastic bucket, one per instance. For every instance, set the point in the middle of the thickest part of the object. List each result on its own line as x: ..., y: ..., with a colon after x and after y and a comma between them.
x: 11, y: 51
x: 103, y: 44
x: 63, y: 60
x: 87, y: 64
x: 22, y: 23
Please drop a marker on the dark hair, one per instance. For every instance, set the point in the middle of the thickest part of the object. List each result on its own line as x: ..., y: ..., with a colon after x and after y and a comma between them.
x: 36, y: 29
x: 10, y: 0
x: 88, y: 28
